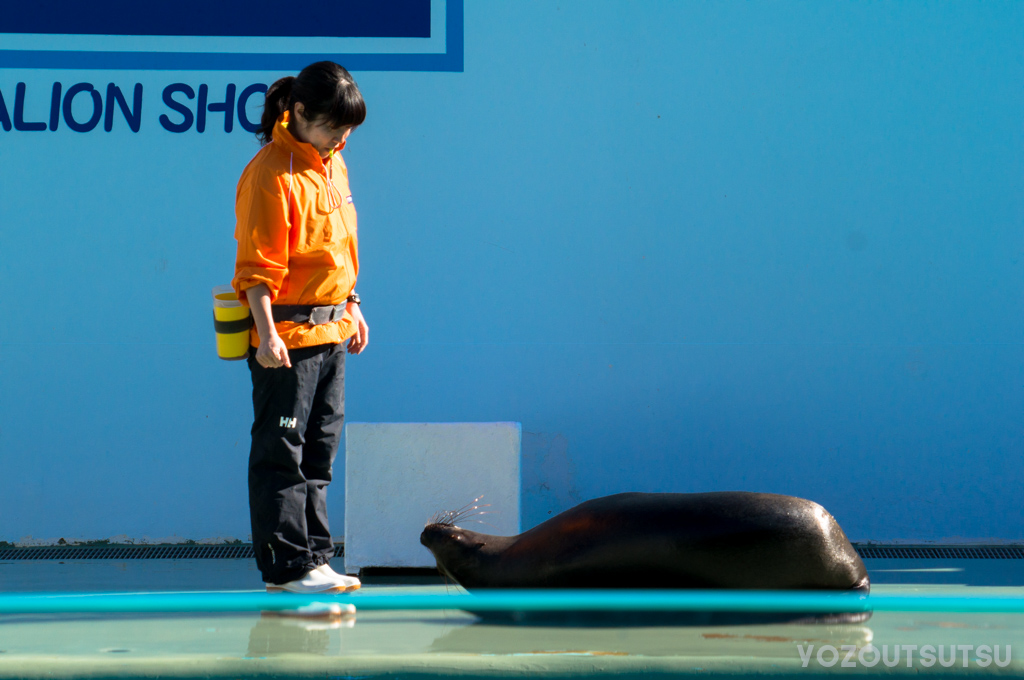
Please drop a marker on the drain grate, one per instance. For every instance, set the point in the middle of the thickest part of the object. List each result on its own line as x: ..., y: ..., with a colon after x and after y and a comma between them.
x: 135, y: 552
x: 941, y: 552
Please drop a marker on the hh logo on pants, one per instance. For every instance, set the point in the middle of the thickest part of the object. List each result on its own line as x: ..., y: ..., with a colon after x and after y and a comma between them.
x: 288, y: 422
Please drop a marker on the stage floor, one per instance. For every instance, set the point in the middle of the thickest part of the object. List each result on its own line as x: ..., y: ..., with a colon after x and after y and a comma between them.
x: 454, y: 643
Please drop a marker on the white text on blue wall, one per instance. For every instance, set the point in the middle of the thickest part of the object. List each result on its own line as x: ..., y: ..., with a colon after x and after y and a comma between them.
x: 83, y: 106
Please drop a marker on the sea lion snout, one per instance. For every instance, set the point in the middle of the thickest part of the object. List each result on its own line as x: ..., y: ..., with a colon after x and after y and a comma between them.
x: 433, y: 534
x: 452, y: 549
x: 444, y: 538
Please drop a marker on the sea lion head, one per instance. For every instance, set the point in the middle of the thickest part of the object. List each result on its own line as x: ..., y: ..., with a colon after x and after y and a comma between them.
x: 457, y: 551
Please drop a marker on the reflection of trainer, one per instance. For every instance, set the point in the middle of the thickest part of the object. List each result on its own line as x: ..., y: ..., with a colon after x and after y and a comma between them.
x: 296, y: 269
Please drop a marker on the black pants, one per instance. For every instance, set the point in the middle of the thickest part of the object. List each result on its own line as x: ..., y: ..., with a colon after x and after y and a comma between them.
x: 298, y: 416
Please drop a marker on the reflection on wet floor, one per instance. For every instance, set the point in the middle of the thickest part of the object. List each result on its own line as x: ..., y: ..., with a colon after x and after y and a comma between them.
x: 657, y: 641
x: 275, y: 634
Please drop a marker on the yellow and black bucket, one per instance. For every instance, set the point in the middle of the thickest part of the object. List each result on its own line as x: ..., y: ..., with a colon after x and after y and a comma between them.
x: 231, y: 321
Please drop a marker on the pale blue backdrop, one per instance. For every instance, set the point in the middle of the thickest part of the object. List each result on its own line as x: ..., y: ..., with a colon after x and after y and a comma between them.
x: 690, y: 246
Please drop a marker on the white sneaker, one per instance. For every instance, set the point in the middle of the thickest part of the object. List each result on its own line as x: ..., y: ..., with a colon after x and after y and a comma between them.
x: 313, y: 582
x: 350, y: 582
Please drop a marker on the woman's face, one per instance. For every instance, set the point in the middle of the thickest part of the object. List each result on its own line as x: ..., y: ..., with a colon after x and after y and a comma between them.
x: 317, y: 132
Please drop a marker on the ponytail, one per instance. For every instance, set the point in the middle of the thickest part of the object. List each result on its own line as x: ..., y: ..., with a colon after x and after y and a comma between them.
x: 326, y: 90
x: 276, y: 103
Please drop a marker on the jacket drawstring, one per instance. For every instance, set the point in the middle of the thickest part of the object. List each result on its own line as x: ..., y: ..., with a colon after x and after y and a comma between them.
x: 291, y: 178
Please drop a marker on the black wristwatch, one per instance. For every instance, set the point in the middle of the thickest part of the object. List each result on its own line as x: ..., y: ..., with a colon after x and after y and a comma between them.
x: 354, y: 298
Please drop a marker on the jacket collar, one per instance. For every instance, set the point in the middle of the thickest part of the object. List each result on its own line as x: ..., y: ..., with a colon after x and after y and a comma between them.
x: 286, y: 140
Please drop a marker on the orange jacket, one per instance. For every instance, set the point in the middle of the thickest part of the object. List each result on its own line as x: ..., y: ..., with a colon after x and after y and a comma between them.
x: 297, y: 234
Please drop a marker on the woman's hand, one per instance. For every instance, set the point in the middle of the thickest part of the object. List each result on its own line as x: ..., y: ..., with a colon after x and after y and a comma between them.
x: 272, y: 353
x: 358, y: 342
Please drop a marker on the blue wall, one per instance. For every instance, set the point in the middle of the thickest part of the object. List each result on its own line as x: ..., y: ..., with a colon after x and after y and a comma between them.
x: 690, y: 246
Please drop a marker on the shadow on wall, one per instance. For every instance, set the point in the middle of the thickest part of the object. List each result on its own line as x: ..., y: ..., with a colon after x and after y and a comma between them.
x: 548, y: 478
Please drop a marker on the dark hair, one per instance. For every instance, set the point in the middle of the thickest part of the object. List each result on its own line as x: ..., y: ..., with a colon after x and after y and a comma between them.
x: 325, y: 89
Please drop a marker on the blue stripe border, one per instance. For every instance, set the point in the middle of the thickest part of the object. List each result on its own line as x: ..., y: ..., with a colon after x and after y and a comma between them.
x: 451, y: 60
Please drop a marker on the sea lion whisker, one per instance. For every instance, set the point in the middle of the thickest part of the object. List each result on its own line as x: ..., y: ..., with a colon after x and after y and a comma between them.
x: 475, y: 514
x: 470, y: 508
x: 469, y: 513
x: 450, y: 517
x: 475, y: 500
x: 437, y: 517
x: 444, y: 519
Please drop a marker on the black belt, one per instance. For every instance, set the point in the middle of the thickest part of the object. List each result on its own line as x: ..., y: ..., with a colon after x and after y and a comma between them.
x: 310, y: 314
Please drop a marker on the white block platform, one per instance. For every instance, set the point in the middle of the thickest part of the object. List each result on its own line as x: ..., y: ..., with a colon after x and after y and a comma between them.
x: 397, y: 475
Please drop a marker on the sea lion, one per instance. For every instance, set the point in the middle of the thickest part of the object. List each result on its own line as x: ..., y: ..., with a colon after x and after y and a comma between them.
x: 722, y: 540
x: 727, y: 540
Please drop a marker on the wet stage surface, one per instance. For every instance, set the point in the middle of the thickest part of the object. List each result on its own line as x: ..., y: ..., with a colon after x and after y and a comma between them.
x: 455, y: 643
